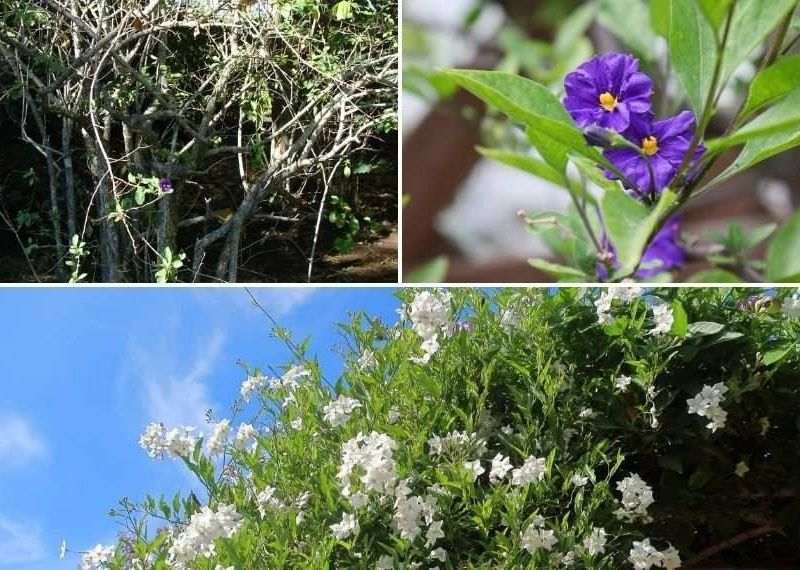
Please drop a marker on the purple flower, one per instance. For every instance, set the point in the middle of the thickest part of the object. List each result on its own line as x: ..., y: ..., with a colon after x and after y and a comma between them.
x: 608, y: 91
x: 166, y: 185
x: 663, y: 145
x: 664, y: 252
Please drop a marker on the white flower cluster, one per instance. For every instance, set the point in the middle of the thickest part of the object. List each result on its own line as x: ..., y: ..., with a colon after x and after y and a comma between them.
x: 219, y: 437
x: 289, y: 381
x: 205, y: 527
x: 457, y: 444
x: 644, y: 556
x: 663, y: 319
x: 637, y: 496
x: 177, y: 442
x: 267, y: 501
x: 536, y: 536
x: 532, y: 469
x: 603, y: 303
x: 251, y: 385
x: 595, y: 543
x: 98, y: 558
x: 338, y: 412
x: 346, y: 528
x: 429, y: 313
x: 706, y: 404
x: 412, y: 512
x: 791, y: 306
x: 371, y: 458
x: 246, y: 438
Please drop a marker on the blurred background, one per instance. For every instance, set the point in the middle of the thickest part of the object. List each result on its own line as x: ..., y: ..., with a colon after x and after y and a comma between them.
x: 464, y: 208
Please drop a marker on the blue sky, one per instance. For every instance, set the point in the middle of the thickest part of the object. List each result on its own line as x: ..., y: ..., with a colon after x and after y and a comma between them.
x: 84, y: 370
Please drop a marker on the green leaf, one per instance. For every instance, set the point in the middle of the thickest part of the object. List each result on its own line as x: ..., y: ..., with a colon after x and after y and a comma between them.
x: 629, y: 20
x: 525, y: 162
x: 139, y: 196
x: 528, y: 103
x: 753, y: 21
x: 574, y: 27
x: 757, y: 150
x: 782, y: 117
x: 659, y: 17
x: 432, y: 272
x: 680, y: 323
x: 562, y: 272
x: 343, y: 10
x: 774, y: 356
x: 705, y: 328
x: 783, y: 256
x: 772, y: 83
x: 715, y: 11
x: 630, y: 224
x: 714, y: 276
x: 693, y: 50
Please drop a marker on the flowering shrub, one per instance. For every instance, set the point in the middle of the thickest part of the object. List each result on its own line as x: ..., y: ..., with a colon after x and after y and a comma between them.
x: 566, y: 428
x: 630, y: 167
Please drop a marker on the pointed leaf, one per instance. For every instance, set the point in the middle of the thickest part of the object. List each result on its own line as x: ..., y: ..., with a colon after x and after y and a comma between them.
x: 526, y: 163
x: 772, y: 83
x: 783, y: 256
x: 693, y: 50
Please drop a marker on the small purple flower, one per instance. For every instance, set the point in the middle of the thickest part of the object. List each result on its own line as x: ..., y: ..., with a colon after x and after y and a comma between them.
x: 608, y: 91
x: 663, y: 145
x: 664, y: 253
x: 166, y: 186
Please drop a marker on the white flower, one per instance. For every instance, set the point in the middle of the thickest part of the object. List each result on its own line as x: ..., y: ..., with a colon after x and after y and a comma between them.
x: 267, y: 501
x: 385, y: 562
x: 586, y: 413
x: 198, y: 537
x: 98, y: 558
x: 791, y: 306
x: 455, y: 444
x: 429, y: 347
x: 62, y: 550
x: 643, y: 555
x: 532, y: 470
x: 246, y: 438
x: 347, y: 527
x: 707, y: 404
x: 663, y: 319
x: 579, y: 480
x: 670, y: 558
x: 595, y: 543
x: 367, y: 360
x: 637, y: 496
x: 439, y: 554
x: 219, y: 437
x: 296, y: 424
x: 434, y: 533
x: 175, y: 443
x: 507, y: 430
x: 535, y: 538
x: 429, y: 313
x: 510, y: 319
x: 338, y: 412
x: 623, y: 382
x: 741, y: 469
x: 500, y: 467
x: 252, y: 385
x: 371, y: 458
x: 359, y: 500
x: 475, y: 468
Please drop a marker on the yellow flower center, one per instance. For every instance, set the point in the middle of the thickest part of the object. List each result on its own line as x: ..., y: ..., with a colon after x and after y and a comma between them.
x: 608, y: 101
x: 650, y: 145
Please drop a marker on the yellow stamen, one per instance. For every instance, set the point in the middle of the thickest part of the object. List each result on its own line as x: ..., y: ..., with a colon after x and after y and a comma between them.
x: 650, y: 145
x: 608, y: 101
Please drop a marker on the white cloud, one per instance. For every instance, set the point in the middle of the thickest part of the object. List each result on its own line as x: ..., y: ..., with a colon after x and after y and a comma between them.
x: 172, y: 392
x: 20, y: 543
x: 282, y: 301
x: 19, y: 442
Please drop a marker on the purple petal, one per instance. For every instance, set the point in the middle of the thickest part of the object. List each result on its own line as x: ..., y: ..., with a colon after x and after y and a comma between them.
x: 681, y: 125
x: 665, y: 251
